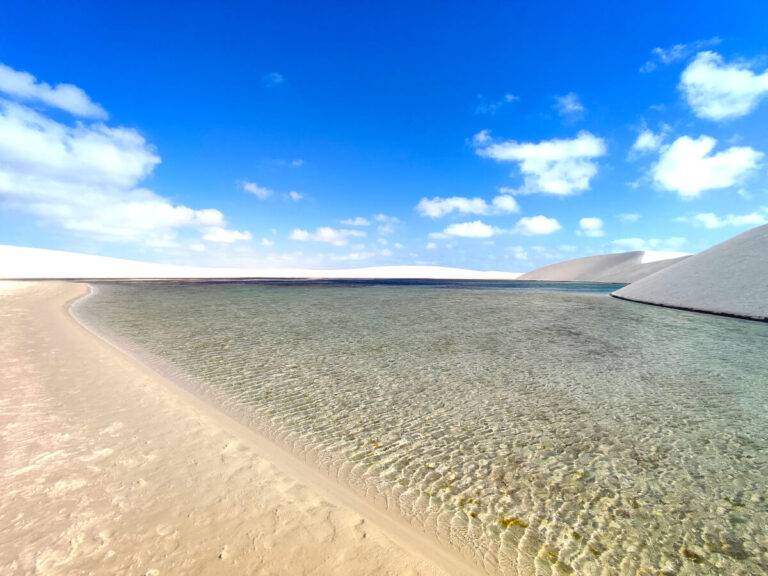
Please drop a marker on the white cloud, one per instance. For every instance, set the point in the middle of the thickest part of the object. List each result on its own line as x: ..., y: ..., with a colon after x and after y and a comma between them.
x: 267, y: 242
x: 385, y: 218
x: 592, y: 227
x: 357, y: 221
x: 676, y: 53
x: 225, y: 236
x: 67, y: 97
x: 518, y: 252
x: 84, y: 178
x: 710, y: 220
x: 261, y: 192
x: 632, y: 244
x: 431, y: 246
x: 569, y: 105
x: 438, y: 207
x: 485, y: 107
x: 688, y: 167
x: 273, y: 79
x: 629, y: 217
x: 326, y: 234
x: 560, y: 167
x: 648, y: 141
x: 295, y: 196
x: 398, y: 245
x: 535, y: 225
x: 476, y: 229
x: 717, y: 91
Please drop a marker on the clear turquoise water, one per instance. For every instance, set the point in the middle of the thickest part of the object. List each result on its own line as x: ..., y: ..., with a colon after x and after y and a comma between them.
x: 538, y: 431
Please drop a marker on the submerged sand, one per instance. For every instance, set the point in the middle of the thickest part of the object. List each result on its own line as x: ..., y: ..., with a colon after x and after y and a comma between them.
x: 109, y: 468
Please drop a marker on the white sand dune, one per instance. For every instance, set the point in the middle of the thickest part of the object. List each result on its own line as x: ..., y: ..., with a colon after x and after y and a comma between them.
x: 108, y: 468
x: 18, y: 262
x: 620, y: 268
x: 730, y: 278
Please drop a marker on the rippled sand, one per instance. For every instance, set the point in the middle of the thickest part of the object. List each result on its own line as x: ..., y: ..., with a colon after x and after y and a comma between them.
x: 547, y: 432
x: 105, y: 468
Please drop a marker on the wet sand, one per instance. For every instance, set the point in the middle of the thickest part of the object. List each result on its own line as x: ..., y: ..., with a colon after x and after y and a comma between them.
x: 106, y: 467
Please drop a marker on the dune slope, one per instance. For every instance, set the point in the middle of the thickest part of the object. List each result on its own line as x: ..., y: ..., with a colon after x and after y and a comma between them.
x: 730, y: 278
x: 614, y: 268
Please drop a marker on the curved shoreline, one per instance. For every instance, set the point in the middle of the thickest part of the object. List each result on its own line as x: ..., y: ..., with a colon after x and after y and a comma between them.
x: 109, y: 467
x: 397, y: 527
x: 687, y: 309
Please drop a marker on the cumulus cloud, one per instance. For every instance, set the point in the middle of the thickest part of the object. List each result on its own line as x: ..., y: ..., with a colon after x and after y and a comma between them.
x: 719, y: 91
x: 85, y: 178
x: 649, y: 141
x: 711, y: 220
x: 67, y: 97
x: 357, y: 221
x: 676, y: 53
x: 273, y: 79
x: 688, y: 166
x: 438, y: 207
x: 592, y: 227
x: 633, y: 244
x: 569, y: 105
x: 261, y: 192
x: 295, y: 196
x: 476, y: 229
x: 536, y: 225
x: 560, y: 166
x: 333, y: 236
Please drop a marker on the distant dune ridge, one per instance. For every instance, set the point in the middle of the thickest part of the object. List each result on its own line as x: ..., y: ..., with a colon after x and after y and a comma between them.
x: 620, y: 268
x: 18, y: 262
x: 729, y: 278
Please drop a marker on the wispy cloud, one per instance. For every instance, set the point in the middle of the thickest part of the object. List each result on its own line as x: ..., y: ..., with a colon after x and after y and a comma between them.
x: 560, y: 166
x: 261, y: 192
x: 719, y: 91
x: 333, y: 236
x: 24, y: 86
x: 629, y: 217
x: 295, y: 196
x: 357, y: 221
x: 438, y: 207
x: 491, y: 107
x: 711, y: 221
x: 676, y: 53
x: 273, y: 79
x: 569, y: 105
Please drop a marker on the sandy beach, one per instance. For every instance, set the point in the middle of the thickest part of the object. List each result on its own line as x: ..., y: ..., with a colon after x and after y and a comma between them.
x: 109, y: 468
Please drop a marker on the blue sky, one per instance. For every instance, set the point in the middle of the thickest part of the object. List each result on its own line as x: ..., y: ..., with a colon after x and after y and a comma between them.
x: 487, y: 135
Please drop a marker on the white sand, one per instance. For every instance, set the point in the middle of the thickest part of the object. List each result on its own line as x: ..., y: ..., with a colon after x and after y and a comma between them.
x: 35, y: 263
x: 615, y: 268
x: 729, y: 278
x: 107, y: 468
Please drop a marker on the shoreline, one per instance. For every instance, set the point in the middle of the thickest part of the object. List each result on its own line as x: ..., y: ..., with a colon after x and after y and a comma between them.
x: 397, y: 527
x: 689, y: 309
x: 223, y: 493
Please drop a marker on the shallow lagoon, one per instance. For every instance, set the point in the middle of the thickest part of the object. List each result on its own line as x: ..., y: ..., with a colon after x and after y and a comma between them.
x: 539, y: 428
